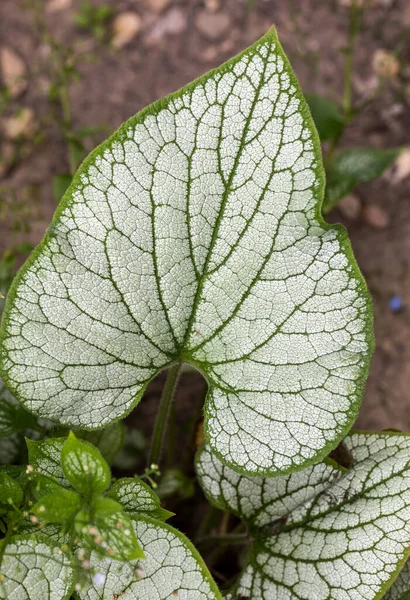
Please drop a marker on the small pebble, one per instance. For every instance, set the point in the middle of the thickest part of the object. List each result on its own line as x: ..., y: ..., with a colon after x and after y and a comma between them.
x: 13, y: 71
x: 350, y: 207
x: 212, y: 25
x: 157, y: 6
x: 375, y: 217
x: 20, y: 126
x: 125, y: 27
x: 395, y: 304
x: 401, y: 168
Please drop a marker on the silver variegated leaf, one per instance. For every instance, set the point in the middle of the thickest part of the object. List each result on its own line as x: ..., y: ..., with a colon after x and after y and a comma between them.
x: 34, y: 568
x: 194, y: 235
x: 322, y: 533
x: 137, y: 498
x: 172, y: 568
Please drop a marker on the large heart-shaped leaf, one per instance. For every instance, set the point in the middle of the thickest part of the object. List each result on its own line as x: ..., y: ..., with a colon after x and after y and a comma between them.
x: 34, y: 568
x: 194, y: 235
x: 325, y: 532
x: 172, y: 568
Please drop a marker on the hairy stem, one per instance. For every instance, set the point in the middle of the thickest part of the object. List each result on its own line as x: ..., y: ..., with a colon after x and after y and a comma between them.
x: 165, y: 404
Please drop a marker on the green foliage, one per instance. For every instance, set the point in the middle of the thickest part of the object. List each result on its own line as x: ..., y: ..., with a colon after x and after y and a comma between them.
x: 354, y: 166
x: 10, y: 491
x: 57, y: 507
x: 61, y: 183
x: 94, y: 18
x: 328, y: 119
x: 8, y: 262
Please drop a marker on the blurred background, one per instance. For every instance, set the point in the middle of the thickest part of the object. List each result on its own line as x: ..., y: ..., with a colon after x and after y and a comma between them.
x: 71, y: 71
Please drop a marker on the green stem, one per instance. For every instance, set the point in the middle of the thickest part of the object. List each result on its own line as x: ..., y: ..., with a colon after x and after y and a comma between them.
x: 229, y: 538
x: 165, y: 403
x: 6, y: 539
x: 354, y: 25
x: 355, y: 13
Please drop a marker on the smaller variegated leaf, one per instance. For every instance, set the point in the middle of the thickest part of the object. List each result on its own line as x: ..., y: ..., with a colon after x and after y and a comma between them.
x: 323, y: 532
x: 35, y: 568
x: 137, y: 498
x: 172, y: 568
x: 45, y: 458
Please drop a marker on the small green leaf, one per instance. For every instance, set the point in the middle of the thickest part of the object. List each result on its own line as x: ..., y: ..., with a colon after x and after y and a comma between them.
x: 326, y: 116
x: 61, y: 183
x: 105, y: 507
x: 45, y: 457
x: 174, y: 481
x: 323, y: 532
x: 58, y: 507
x: 14, y: 471
x: 10, y: 491
x: 35, y: 568
x: 109, y: 441
x: 111, y: 534
x: 354, y: 166
x: 84, y: 467
x: 137, y: 498
x: 172, y: 568
x: 42, y: 485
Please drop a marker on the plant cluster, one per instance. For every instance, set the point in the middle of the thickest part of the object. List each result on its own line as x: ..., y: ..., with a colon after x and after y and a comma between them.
x: 194, y: 236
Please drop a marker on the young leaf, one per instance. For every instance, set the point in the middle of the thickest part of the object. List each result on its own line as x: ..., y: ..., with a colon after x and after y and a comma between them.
x: 317, y: 533
x: 111, y: 533
x: 400, y: 589
x: 45, y: 457
x: 35, y: 568
x: 194, y: 235
x: 42, y: 485
x: 174, y: 481
x: 350, y: 167
x: 172, y: 568
x: 57, y: 507
x: 10, y: 491
x: 84, y: 467
x: 137, y: 498
x: 326, y: 116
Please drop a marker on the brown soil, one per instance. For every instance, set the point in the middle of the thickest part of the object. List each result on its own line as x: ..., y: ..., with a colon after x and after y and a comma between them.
x: 115, y: 85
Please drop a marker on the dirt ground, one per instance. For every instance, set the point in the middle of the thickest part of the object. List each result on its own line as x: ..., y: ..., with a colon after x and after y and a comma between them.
x: 179, y: 40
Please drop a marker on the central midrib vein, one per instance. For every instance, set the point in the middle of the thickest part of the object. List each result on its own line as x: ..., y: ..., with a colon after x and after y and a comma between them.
x: 221, y: 211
